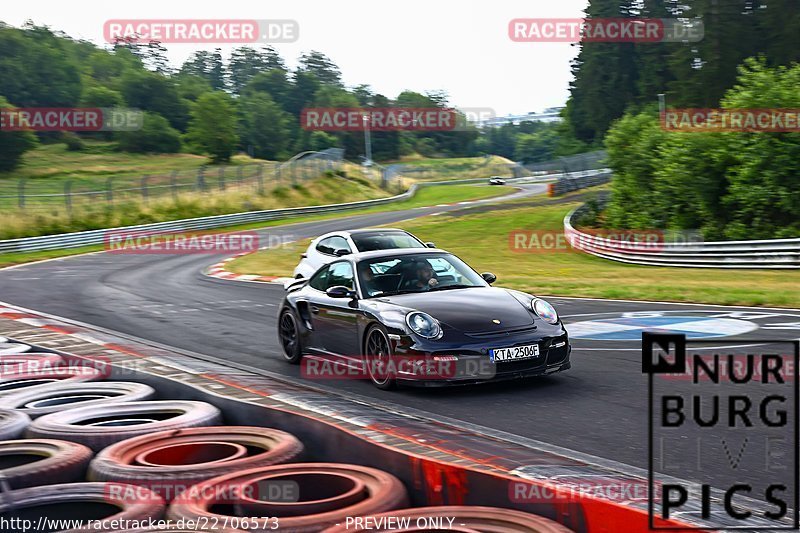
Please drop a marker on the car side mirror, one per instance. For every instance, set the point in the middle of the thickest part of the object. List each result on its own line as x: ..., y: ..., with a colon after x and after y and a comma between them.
x: 489, y: 277
x: 340, y: 252
x: 430, y: 244
x: 340, y: 291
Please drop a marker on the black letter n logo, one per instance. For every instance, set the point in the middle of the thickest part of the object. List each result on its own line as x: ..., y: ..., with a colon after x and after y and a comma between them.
x: 670, y: 344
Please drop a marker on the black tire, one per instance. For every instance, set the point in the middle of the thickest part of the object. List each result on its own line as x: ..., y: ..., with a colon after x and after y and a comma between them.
x: 377, y: 352
x: 62, y: 396
x: 102, y: 425
x: 31, y: 462
x: 12, y: 424
x: 291, y: 345
x: 83, y: 502
x: 15, y: 383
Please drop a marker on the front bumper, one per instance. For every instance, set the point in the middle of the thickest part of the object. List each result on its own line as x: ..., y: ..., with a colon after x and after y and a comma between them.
x: 468, y: 363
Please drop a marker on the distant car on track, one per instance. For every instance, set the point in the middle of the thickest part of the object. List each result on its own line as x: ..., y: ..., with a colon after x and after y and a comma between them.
x: 496, y: 180
x: 419, y: 316
x: 331, y: 246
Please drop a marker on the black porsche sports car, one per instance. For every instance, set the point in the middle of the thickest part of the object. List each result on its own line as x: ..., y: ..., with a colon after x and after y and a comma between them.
x: 420, y: 317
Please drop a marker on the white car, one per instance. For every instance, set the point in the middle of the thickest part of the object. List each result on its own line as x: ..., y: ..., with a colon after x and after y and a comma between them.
x: 329, y: 247
x: 496, y: 180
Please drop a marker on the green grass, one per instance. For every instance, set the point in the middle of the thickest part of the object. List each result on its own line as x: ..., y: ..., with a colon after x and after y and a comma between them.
x: 482, y: 239
x: 427, y: 196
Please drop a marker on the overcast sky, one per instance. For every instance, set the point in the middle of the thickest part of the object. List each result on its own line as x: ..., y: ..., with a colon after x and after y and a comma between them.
x: 461, y: 47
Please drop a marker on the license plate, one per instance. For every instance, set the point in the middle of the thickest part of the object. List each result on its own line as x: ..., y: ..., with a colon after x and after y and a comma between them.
x: 515, y: 353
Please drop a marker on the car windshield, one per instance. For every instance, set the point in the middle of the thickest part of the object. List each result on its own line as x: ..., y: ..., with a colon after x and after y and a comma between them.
x: 385, y: 276
x: 385, y: 240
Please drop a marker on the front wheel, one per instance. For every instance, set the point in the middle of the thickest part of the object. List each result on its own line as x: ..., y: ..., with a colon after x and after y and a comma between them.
x: 378, y: 358
x: 289, y: 335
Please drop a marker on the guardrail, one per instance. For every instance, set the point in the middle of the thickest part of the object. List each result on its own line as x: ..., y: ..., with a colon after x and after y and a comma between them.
x: 579, y: 180
x: 94, y: 237
x: 769, y: 254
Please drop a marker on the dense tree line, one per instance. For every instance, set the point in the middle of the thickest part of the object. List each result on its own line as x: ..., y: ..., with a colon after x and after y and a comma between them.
x: 251, y: 101
x: 610, y: 78
x: 732, y: 185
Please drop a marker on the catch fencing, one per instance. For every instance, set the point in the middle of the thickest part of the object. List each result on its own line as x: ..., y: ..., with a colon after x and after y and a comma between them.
x: 47, y: 195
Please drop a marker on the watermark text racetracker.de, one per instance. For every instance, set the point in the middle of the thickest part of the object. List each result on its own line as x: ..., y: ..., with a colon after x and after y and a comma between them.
x: 219, y: 31
x: 730, y: 120
x: 633, y: 240
x: 393, y: 118
x: 610, y: 30
x: 175, y: 242
x: 85, y: 119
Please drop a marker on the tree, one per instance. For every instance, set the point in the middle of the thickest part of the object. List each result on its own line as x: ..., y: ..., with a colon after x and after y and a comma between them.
x: 156, y: 136
x: 273, y: 82
x: 35, y: 69
x: 100, y: 96
x: 212, y: 126
x: 321, y: 67
x: 149, y: 91
x: 263, y: 126
x: 13, y: 144
x: 207, y: 65
x: 246, y: 63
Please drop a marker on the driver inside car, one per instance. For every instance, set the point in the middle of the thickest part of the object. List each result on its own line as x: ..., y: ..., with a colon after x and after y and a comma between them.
x: 426, y: 278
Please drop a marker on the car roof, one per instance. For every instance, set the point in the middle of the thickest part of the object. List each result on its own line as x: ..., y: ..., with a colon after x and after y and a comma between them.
x: 394, y: 252
x: 359, y: 232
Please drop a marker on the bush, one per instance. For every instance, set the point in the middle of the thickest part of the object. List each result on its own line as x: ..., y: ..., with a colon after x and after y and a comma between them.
x: 73, y: 142
x: 13, y: 143
x: 155, y: 137
x: 731, y: 185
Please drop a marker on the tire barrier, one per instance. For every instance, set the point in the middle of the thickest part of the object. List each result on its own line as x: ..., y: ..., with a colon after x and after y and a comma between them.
x: 29, y: 362
x: 11, y: 348
x: 178, y: 459
x: 38, y: 380
x: 29, y: 462
x: 325, y: 494
x: 63, y: 396
x: 12, y: 424
x: 465, y: 520
x: 99, y: 426
x: 80, y: 502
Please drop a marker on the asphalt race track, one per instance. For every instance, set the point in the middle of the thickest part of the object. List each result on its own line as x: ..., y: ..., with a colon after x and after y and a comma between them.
x: 598, y: 407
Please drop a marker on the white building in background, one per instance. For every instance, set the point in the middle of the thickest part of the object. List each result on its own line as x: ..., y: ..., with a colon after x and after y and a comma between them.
x: 551, y: 114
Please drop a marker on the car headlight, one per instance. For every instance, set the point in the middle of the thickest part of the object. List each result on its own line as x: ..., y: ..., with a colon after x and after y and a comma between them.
x: 544, y: 310
x: 423, y: 325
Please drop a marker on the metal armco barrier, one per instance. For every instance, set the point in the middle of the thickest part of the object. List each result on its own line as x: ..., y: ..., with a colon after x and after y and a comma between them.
x: 772, y: 254
x: 579, y: 180
x: 94, y: 237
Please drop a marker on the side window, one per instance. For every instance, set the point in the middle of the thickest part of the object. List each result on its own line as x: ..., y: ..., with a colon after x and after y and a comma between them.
x: 324, y: 246
x: 319, y: 280
x: 341, y: 274
x: 331, y: 244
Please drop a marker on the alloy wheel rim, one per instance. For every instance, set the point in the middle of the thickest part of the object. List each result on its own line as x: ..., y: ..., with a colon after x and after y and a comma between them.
x: 288, y: 334
x: 378, y: 356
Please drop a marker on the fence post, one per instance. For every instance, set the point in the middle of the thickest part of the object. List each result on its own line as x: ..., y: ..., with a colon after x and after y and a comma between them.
x: 260, y: 179
x: 293, y: 166
x: 110, y: 190
x: 68, y: 196
x: 222, y: 178
x: 201, y: 179
x: 21, y: 192
x: 240, y: 175
x: 173, y: 182
x: 145, y: 192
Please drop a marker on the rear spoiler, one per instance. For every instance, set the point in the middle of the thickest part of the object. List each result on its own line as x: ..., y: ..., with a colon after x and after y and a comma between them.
x: 294, y: 284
